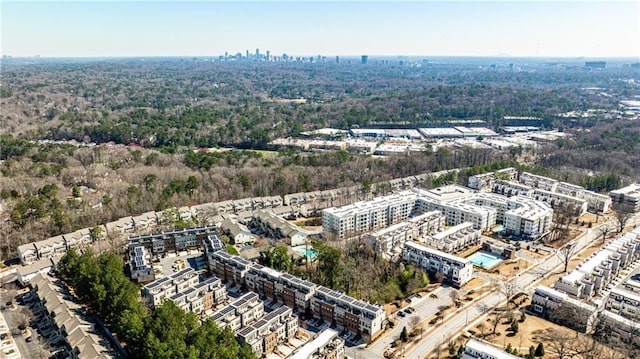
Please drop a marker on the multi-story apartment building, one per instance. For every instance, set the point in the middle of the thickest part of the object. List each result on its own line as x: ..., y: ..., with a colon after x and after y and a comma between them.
x: 548, y: 301
x: 509, y: 188
x: 362, y: 217
x: 629, y: 195
x: 479, y: 350
x: 388, y: 241
x: 558, y: 200
x: 617, y: 326
x: 457, y: 270
x: 527, y: 218
x: 598, y: 203
x: 327, y: 345
x: 426, y: 224
x: 346, y: 312
x: 485, y: 181
x: 540, y: 182
x: 454, y: 238
x: 166, y: 287
x: 272, y: 329
x: 595, y: 272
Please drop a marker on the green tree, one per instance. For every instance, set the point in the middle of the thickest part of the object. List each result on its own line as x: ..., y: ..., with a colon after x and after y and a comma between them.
x: 514, y: 326
x: 404, y: 336
x: 540, y: 350
x: 329, y: 263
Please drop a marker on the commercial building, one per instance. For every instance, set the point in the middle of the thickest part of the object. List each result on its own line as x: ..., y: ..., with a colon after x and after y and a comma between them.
x: 456, y: 270
x: 478, y: 350
x: 629, y: 195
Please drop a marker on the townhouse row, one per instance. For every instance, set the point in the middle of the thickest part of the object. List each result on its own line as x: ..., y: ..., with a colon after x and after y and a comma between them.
x: 336, y: 308
x: 61, y: 319
x: 600, y: 268
x: 54, y: 246
x: 574, y: 292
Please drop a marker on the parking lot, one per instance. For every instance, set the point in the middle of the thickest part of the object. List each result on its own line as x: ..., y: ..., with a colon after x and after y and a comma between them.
x: 21, y: 323
x: 317, y: 325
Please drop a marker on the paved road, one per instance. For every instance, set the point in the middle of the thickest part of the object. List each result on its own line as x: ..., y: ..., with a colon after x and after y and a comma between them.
x: 425, y: 308
x: 524, y: 281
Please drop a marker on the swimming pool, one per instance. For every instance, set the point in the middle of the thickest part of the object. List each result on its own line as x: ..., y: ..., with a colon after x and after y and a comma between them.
x: 484, y: 259
x: 309, y: 253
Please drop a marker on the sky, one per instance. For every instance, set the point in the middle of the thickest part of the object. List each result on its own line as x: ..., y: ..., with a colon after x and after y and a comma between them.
x: 575, y: 28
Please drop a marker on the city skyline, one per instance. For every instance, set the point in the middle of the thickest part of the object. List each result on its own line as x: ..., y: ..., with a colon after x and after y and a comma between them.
x: 427, y: 28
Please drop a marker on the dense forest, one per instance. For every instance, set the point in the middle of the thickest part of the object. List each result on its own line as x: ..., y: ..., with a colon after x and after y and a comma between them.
x: 148, y: 116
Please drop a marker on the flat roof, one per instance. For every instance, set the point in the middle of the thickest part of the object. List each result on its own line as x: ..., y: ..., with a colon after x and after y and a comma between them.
x: 497, y: 353
x: 311, y: 347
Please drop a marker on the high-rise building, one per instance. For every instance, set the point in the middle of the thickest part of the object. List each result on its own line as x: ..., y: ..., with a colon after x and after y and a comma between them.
x: 257, y: 52
x: 337, y: 59
x: 365, y: 58
x: 268, y: 55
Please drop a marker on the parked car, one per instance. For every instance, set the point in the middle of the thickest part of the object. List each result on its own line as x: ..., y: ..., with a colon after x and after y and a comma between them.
x: 402, y: 313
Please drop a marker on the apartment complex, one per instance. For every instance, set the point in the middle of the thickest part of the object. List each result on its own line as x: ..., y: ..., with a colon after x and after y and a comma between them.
x: 456, y: 270
x: 67, y: 321
x: 362, y: 217
x: 388, y: 241
x: 478, y: 350
x: 455, y: 238
x: 485, y: 181
x: 292, y: 291
x: 242, y: 312
x: 629, y: 195
x: 158, y: 244
x: 140, y: 264
x: 545, y: 189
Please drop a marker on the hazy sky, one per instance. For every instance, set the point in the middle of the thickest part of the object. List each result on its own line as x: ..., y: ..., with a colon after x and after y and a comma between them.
x: 466, y: 28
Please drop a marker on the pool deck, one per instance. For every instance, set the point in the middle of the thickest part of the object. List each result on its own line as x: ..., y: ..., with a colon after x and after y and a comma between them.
x: 496, y: 260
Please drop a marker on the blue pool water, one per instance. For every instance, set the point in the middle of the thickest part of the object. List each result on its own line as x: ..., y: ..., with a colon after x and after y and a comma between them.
x: 309, y: 253
x: 484, y: 259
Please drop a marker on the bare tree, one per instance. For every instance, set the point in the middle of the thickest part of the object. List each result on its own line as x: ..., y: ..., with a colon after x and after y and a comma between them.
x: 508, y: 289
x: 604, y: 230
x: 414, y: 321
x: 482, y: 327
x: 560, y: 343
x: 565, y: 253
x: 454, y: 295
x: 623, y: 213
